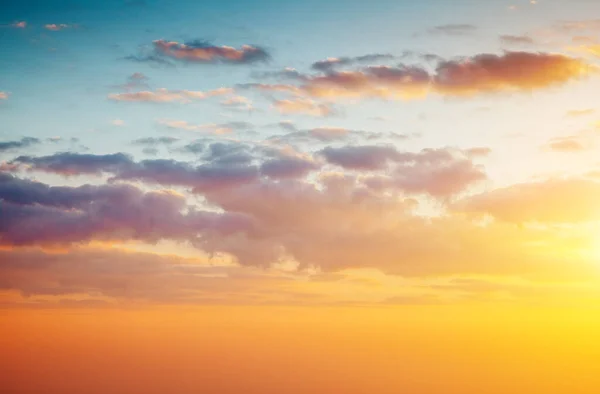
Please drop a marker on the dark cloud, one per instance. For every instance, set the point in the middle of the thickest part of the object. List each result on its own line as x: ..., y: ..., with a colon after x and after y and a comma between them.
x: 202, y: 178
x: 24, y: 142
x: 152, y: 59
x: 369, y: 158
x: 68, y: 163
x: 288, y: 167
x: 37, y: 214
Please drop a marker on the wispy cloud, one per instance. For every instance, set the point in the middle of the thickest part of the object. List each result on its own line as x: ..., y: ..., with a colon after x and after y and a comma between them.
x: 166, y: 96
x: 204, y: 52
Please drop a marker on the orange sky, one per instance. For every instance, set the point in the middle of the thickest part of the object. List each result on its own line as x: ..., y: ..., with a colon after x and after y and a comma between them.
x: 297, y: 350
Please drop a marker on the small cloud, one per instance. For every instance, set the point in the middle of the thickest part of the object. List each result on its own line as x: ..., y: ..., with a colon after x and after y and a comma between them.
x: 203, y: 52
x: 213, y: 128
x: 329, y: 64
x: 118, y: 122
x: 3, y: 96
x: 238, y: 103
x: 302, y: 106
x: 581, y: 112
x: 460, y: 29
x: 570, y: 144
x: 167, y: 96
x: 517, y: 40
x: 57, y: 27
x: 20, y: 25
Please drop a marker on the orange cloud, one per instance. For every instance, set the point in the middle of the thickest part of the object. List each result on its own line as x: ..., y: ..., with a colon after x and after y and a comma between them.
x: 512, y: 71
x: 480, y: 74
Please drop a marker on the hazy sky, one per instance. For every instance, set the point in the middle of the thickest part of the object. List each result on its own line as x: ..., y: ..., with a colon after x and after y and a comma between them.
x: 157, y: 155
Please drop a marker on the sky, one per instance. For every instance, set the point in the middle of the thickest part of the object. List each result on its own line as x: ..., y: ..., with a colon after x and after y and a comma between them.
x: 290, y: 196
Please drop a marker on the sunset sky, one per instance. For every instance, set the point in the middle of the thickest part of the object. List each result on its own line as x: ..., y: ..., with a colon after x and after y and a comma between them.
x: 384, y: 196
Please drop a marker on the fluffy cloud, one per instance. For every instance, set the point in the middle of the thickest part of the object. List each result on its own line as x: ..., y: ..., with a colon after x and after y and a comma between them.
x: 37, y: 214
x: 203, y: 52
x: 3, y: 96
x: 437, y: 172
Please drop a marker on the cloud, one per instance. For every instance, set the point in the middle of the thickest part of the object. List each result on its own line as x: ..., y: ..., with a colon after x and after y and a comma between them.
x: 288, y: 167
x: 550, y: 201
x: 24, y: 142
x: 329, y: 64
x: 203, y: 52
x: 327, y: 134
x: 154, y: 141
x: 57, y: 27
x: 167, y: 96
x: 581, y: 112
x: 213, y: 128
x: 568, y: 144
x: 19, y: 25
x: 367, y: 158
x: 517, y: 40
x: 333, y: 221
x: 118, y: 122
x: 302, y: 106
x: 512, y: 71
x: 37, y: 214
x: 440, y: 173
x: 3, y: 96
x: 135, y: 81
x: 454, y: 29
x: 152, y: 59
x: 466, y: 77
x: 113, y: 276
x: 68, y: 163
x: 237, y: 103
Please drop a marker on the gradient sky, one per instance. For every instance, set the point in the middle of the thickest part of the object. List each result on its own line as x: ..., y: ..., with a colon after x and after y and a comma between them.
x: 382, y: 161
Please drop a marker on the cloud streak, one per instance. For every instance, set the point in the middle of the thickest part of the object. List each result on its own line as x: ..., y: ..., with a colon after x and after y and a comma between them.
x: 204, y: 52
